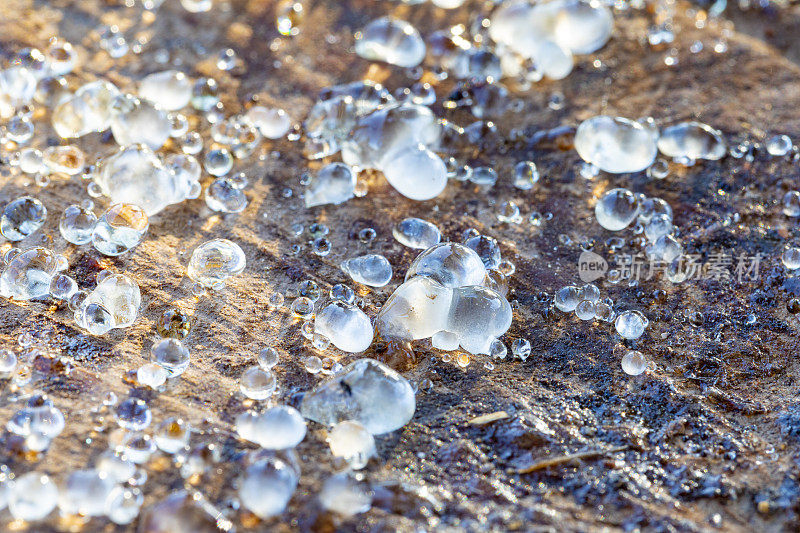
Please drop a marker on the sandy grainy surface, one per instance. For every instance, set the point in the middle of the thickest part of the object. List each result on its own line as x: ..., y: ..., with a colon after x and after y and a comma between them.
x: 712, y: 430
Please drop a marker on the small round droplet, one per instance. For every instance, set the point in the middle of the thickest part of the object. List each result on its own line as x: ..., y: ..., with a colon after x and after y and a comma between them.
x: 630, y: 324
x: 634, y: 363
x: 223, y: 196
x: 257, y: 383
x: 268, y: 358
x: 617, y: 209
x: 526, y: 175
x: 172, y: 355
x: 218, y: 162
x: 174, y: 323
x: 77, y: 224
x: 133, y: 414
x: 585, y: 310
x: 215, y: 261
x: 21, y: 217
x: 791, y: 258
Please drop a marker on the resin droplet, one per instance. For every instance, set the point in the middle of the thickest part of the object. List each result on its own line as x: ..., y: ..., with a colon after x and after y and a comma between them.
x: 779, y: 145
x: 366, y: 391
x: 257, y: 383
x: 68, y: 160
x: 121, y: 228
x: 32, y: 496
x: 170, y: 89
x: 346, y: 326
x: 417, y: 233
x: 89, y: 110
x: 136, y: 175
x: 85, y: 493
x: 333, y: 184
x: 114, y: 303
x: 77, y: 224
x: 616, y: 145
x: 371, y: 269
x: 630, y: 324
x: 616, y: 209
x: 29, y: 274
x: 478, y: 316
x: 342, y: 493
x: 351, y: 440
x: 390, y: 40
x: 278, y: 428
x: 378, y: 137
x: 689, y: 141
x: 579, y: 26
x: 214, y: 261
x: 224, y: 196
x: 21, y: 217
x: 273, y: 123
x: 416, y: 173
x: 451, y: 264
x: 791, y: 258
x: 267, y: 486
x: 526, y: 175
x: 181, y: 512
x: 634, y: 363
x: 139, y: 121
x: 171, y: 355
x: 416, y: 310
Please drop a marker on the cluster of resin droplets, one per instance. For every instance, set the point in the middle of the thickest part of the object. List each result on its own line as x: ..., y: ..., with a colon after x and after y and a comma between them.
x: 453, y: 297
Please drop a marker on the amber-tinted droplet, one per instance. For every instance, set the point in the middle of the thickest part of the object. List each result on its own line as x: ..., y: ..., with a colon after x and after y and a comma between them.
x: 175, y: 324
x: 397, y: 354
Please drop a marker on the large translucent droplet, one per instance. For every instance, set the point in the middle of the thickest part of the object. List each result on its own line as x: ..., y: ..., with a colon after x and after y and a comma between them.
x: 121, y: 228
x: 345, y: 325
x: 267, y: 485
x: 451, y: 264
x: 214, y: 261
x: 366, y: 391
x: 416, y: 173
x: 416, y: 310
x: 333, y: 184
x: 89, y: 110
x: 114, y: 303
x: 581, y: 27
x: 29, y: 274
x: 139, y: 121
x: 378, y: 137
x: 616, y: 145
x: 278, y: 428
x: 478, y: 316
x: 32, y: 496
x: 170, y: 89
x: 390, y: 40
x: 85, y: 493
x: 689, y: 141
x: 136, y: 175
x: 616, y: 209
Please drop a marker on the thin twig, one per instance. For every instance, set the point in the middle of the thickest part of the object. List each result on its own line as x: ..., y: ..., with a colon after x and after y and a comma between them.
x: 488, y: 418
x: 562, y: 459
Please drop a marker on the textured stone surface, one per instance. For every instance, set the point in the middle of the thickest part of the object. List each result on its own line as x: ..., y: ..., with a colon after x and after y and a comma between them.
x: 713, y: 430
